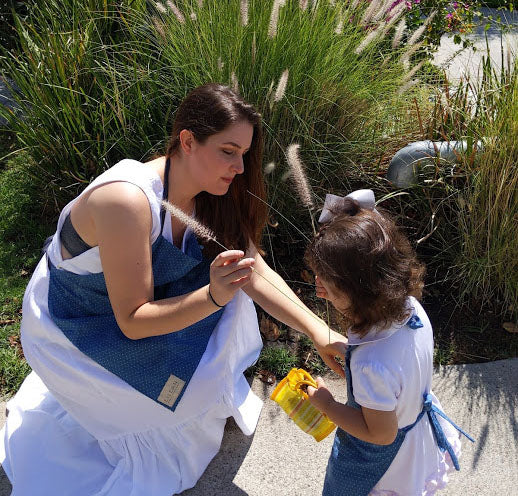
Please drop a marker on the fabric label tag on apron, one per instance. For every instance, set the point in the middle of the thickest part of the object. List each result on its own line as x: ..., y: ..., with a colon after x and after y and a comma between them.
x: 171, y: 390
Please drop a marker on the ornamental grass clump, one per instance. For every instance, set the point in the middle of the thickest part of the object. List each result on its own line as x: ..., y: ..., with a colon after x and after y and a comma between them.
x: 488, y: 217
x: 101, y: 82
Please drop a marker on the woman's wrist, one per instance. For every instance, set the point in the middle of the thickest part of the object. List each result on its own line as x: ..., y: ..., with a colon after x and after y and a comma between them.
x: 211, y: 297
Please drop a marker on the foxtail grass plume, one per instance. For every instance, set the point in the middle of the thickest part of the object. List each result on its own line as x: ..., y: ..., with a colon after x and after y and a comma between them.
x: 407, y: 86
x: 197, y: 227
x: 159, y: 26
x: 385, y: 5
x: 274, y: 17
x: 269, y: 168
x: 200, y: 3
x: 405, y: 58
x: 176, y: 12
x: 370, y: 11
x: 234, y: 82
x: 281, y: 86
x: 395, y: 15
x: 298, y: 175
x: 220, y: 64
x: 303, y: 4
x: 398, y: 35
x: 419, y: 32
x: 412, y: 73
x: 194, y: 17
x: 160, y: 7
x: 353, y: 4
x: 244, y: 12
x: 340, y: 26
x: 367, y: 41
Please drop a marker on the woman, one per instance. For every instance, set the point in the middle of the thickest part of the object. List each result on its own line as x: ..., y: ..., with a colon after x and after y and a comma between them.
x: 138, y: 336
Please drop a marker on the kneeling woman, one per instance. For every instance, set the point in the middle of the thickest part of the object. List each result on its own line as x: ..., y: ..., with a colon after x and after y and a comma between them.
x: 138, y: 333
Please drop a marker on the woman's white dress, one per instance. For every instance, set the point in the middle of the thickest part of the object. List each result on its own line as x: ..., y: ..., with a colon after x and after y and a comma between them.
x: 75, y: 428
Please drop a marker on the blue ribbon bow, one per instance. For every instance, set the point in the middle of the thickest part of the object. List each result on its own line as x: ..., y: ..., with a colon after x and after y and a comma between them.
x: 431, y: 410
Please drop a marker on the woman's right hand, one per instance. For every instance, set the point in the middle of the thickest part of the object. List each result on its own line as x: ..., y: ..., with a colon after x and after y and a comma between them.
x: 229, y: 272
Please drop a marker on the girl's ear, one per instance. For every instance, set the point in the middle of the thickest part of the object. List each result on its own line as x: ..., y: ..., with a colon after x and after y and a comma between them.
x: 186, y: 141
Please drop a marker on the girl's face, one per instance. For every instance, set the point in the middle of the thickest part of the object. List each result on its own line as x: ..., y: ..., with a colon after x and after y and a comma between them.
x: 329, y: 291
x: 219, y: 159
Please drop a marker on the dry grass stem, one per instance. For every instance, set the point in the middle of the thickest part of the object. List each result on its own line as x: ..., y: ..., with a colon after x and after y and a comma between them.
x: 299, y: 176
x: 281, y: 86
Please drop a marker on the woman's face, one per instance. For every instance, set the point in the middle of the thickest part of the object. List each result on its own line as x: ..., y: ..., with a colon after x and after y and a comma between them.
x: 219, y: 159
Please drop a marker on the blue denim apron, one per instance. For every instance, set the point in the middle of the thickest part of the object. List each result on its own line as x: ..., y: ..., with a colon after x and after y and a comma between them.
x: 356, y: 466
x: 80, y: 307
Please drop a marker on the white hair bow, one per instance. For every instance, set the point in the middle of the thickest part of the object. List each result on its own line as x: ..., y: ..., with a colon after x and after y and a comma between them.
x: 365, y: 198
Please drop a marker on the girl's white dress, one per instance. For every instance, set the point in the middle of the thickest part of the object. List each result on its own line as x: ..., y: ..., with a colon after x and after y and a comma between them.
x: 390, y: 370
x: 76, y: 429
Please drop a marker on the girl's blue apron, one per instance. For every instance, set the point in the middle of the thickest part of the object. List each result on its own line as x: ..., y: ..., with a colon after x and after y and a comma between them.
x: 356, y: 466
x: 157, y: 366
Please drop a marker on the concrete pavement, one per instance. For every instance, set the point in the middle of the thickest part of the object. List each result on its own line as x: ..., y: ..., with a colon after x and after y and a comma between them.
x: 280, y: 459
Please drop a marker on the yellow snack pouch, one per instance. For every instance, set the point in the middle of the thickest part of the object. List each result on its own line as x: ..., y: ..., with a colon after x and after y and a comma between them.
x: 292, y: 398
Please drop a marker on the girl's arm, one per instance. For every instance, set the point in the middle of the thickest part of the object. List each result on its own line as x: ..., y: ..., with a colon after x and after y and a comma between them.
x: 275, y: 297
x: 372, y: 426
x: 121, y: 226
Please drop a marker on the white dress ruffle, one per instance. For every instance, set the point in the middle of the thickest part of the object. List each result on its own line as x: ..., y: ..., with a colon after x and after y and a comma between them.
x: 75, y: 428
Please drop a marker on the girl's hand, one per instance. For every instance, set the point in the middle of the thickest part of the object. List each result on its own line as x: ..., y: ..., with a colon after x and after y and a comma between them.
x: 320, y: 398
x: 229, y: 272
x: 329, y: 345
x: 320, y: 290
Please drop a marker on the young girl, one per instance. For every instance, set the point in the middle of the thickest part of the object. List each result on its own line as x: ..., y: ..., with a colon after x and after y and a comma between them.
x: 392, y: 438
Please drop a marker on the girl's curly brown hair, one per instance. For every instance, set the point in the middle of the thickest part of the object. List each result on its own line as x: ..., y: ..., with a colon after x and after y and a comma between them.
x: 363, y: 254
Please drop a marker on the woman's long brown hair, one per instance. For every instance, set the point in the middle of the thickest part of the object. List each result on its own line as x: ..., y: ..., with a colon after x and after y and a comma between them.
x: 236, y: 217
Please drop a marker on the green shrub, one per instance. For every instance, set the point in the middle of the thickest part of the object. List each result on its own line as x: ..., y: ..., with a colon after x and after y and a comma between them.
x: 22, y: 215
x: 277, y: 360
x: 102, y: 83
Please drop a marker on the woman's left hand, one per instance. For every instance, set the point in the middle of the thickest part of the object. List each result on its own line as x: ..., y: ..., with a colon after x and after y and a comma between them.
x: 329, y: 345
